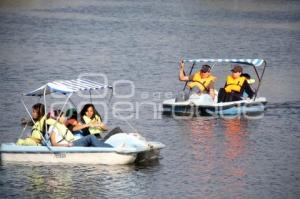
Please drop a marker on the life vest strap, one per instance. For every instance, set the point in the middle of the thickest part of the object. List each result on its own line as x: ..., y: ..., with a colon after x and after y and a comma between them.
x: 202, y: 84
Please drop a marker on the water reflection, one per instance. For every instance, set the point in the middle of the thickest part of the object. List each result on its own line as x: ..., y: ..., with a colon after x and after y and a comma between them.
x: 68, y: 181
x: 55, y: 183
x: 201, y: 133
x: 219, y: 149
x: 235, y: 131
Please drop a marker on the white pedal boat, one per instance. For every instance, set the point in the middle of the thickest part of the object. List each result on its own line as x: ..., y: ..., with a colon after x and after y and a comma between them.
x: 126, y: 148
x: 203, y: 105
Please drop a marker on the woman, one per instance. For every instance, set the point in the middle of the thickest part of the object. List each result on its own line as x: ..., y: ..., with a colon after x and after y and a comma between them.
x: 38, y: 129
x: 90, y: 116
x: 60, y: 135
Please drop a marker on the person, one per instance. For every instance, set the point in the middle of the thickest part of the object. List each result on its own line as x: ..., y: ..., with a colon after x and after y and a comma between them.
x: 60, y: 135
x: 89, y: 116
x: 235, y: 86
x: 38, y: 127
x: 73, y: 124
x: 200, y: 82
x: 250, y: 82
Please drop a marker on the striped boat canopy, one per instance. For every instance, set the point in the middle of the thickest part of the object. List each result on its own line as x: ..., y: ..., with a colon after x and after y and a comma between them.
x: 252, y: 62
x: 67, y: 86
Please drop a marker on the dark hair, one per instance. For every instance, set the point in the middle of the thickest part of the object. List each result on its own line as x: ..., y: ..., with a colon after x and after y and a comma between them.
x: 205, y: 68
x: 71, y: 113
x: 84, y: 110
x: 40, y: 109
x: 246, y: 75
x: 237, y: 68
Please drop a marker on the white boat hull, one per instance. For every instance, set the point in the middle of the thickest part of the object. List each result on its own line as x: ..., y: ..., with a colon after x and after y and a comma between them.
x: 68, y: 158
x: 125, y: 150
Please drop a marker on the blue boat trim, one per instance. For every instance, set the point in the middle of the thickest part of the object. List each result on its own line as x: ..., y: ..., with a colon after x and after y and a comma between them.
x: 232, y: 109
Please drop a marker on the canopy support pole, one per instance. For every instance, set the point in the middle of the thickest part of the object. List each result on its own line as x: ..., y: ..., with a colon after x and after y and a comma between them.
x: 23, y: 130
x: 73, y: 103
x: 189, y: 75
x: 259, y: 78
x: 63, y: 107
x: 90, y: 96
x: 28, y: 112
x: 45, y: 105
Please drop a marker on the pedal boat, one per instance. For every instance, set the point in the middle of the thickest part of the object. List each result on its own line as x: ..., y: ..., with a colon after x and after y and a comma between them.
x: 126, y: 148
x: 204, y: 105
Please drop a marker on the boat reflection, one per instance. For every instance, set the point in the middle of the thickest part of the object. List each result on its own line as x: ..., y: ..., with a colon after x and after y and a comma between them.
x: 235, y: 131
x: 219, y: 148
x: 69, y: 181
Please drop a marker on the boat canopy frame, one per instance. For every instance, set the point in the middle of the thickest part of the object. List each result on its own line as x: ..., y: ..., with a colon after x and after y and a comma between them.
x: 255, y: 63
x: 66, y: 88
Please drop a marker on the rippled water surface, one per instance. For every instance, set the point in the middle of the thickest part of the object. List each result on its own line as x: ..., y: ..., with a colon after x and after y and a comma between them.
x: 142, y: 41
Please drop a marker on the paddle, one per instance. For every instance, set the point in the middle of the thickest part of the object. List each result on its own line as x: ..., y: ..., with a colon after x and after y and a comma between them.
x: 189, y: 74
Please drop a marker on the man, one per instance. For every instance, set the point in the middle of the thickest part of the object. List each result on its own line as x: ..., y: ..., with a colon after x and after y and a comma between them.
x: 235, y: 86
x: 201, y: 81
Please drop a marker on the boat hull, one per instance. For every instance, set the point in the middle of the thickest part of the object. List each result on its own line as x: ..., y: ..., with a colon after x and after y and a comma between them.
x: 68, y: 158
x: 151, y: 154
x: 11, y: 153
x: 243, y: 107
x: 125, y: 150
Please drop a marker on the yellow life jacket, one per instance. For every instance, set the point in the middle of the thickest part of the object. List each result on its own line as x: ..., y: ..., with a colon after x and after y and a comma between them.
x: 201, y: 83
x: 234, y: 84
x: 28, y: 142
x: 62, y: 130
x: 93, y: 130
x: 38, y: 130
x: 36, y: 134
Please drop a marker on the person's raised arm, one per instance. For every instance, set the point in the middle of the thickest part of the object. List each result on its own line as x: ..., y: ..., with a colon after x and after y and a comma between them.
x: 78, y: 126
x: 100, y: 125
x: 182, y: 76
x: 103, y: 126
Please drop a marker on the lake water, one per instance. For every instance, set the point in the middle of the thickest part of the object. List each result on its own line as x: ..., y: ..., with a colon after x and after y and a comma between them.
x: 136, y: 45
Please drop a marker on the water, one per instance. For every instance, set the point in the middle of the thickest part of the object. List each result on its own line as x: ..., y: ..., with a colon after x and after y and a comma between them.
x: 142, y: 41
